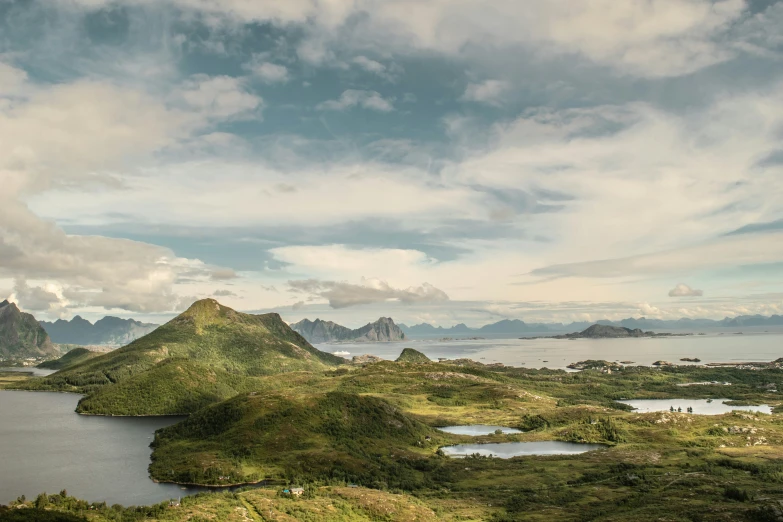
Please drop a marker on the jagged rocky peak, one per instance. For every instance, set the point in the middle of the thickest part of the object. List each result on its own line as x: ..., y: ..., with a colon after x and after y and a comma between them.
x: 319, y: 331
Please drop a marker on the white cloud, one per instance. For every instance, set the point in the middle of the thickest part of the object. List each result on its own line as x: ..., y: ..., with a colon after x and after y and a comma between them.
x: 35, y: 298
x: 80, y: 134
x: 640, y: 37
x: 489, y: 91
x: 683, y: 290
x: 223, y: 274
x: 389, y: 73
x: 220, y: 97
x: 11, y: 79
x: 269, y: 72
x: 344, y: 295
x: 356, y: 98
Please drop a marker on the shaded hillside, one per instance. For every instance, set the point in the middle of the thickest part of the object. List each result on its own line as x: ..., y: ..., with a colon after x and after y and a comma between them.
x: 318, y: 331
x: 253, y: 436
x: 21, y: 336
x: 409, y: 355
x: 110, y: 331
x: 205, y: 354
x: 602, y: 331
x: 70, y: 359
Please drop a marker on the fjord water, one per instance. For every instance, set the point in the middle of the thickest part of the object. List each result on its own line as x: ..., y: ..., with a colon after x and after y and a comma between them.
x: 725, y: 347
x: 476, y: 430
x: 700, y: 406
x: 46, y: 446
x: 507, y: 450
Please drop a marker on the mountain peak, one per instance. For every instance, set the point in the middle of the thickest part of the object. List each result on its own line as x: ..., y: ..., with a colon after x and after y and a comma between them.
x: 410, y: 355
x: 206, y: 312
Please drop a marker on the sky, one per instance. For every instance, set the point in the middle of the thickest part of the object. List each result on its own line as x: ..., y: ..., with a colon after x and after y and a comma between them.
x: 436, y: 161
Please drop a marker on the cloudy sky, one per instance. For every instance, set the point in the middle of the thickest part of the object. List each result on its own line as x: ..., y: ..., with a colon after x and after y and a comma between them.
x: 433, y: 160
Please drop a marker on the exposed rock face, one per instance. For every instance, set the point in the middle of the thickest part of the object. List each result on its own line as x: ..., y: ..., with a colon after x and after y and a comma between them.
x: 109, y: 331
x: 318, y: 331
x: 365, y: 359
x: 21, y: 336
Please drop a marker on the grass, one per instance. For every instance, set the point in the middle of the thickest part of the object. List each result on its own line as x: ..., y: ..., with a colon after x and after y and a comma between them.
x: 74, y: 357
x: 369, y: 425
x: 160, y: 372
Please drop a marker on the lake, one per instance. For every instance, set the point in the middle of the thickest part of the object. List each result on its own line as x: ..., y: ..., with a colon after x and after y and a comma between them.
x: 477, y: 429
x: 700, y: 406
x: 558, y: 353
x: 506, y: 450
x: 46, y: 446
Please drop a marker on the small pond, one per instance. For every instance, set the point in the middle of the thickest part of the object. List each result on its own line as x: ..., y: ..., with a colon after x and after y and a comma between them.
x: 477, y: 429
x: 506, y: 450
x: 700, y: 406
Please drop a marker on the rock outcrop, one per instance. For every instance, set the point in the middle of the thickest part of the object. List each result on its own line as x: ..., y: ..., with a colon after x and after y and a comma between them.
x: 318, y: 331
x: 21, y: 336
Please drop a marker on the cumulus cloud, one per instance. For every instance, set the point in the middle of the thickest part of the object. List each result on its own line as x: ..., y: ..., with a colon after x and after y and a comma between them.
x: 683, y: 290
x: 489, y: 91
x: 220, y: 97
x: 343, y: 295
x: 35, y: 298
x: 371, y: 100
x: 269, y: 72
x: 11, y: 79
x: 389, y: 73
x: 224, y: 293
x: 70, y: 135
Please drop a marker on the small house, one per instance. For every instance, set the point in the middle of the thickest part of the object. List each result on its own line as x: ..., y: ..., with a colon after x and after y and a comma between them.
x: 297, y: 491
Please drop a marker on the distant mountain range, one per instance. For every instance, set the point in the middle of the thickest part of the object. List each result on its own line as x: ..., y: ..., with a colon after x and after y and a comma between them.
x: 21, y: 336
x: 109, y: 331
x: 318, y: 331
x: 518, y: 327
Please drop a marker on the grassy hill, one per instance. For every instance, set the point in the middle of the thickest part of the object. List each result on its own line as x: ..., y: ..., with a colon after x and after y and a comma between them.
x: 255, y: 436
x: 70, y: 359
x: 410, y: 355
x: 206, y: 354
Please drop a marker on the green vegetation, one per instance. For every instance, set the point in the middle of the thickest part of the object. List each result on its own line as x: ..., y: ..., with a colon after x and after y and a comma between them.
x: 206, y: 354
x: 335, y: 435
x: 409, y: 355
x: 69, y: 360
x: 372, y: 425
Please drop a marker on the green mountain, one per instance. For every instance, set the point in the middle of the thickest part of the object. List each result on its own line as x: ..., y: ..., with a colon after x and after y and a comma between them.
x: 70, y: 359
x: 207, y: 354
x: 409, y: 355
x: 252, y: 436
x: 21, y: 336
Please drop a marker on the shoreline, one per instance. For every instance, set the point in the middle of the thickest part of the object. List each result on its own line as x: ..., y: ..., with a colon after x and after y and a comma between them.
x: 263, y: 482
